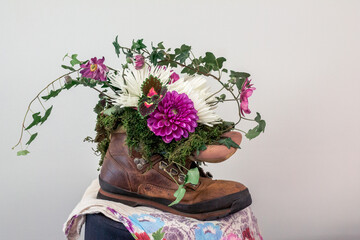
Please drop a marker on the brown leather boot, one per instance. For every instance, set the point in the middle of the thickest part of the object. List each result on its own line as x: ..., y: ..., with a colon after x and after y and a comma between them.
x: 129, y: 179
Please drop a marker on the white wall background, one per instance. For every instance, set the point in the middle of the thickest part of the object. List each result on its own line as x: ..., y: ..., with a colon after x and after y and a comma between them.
x: 304, y: 173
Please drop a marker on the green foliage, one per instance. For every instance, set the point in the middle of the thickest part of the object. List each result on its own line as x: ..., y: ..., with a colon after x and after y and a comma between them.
x: 253, y: 133
x: 47, y: 114
x: 158, y: 235
x: 32, y: 137
x: 182, y: 53
x: 179, y: 194
x: 138, y: 45
x: 116, y: 46
x: 53, y: 93
x: 68, y: 68
x: 228, y: 142
x: 22, y: 152
x: 74, y: 61
x: 192, y: 176
x: 36, y: 120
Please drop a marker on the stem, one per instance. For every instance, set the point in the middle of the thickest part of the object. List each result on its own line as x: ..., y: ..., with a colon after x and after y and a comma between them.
x: 214, y: 93
x: 31, y: 102
x: 41, y: 104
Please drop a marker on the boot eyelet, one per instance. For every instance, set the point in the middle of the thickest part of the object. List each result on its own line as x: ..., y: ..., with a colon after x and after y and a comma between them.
x: 181, y: 177
x: 139, y: 166
x: 174, y: 172
x: 136, y: 161
x: 162, y: 165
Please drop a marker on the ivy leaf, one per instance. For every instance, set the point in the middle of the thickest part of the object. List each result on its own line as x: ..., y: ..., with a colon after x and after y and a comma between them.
x: 70, y: 84
x: 179, y: 194
x: 228, y: 142
x: 160, y: 45
x: 239, y: 83
x: 32, y: 137
x: 22, y: 152
x: 36, y: 120
x: 138, y: 45
x: 47, y: 114
x: 117, y: 46
x: 52, y: 94
x: 67, y: 67
x: 258, y: 117
x: 224, y: 70
x: 201, y: 148
x: 193, y: 176
x: 220, y: 62
x: 74, y: 60
x: 209, y: 58
x: 158, y: 235
x: 252, y: 133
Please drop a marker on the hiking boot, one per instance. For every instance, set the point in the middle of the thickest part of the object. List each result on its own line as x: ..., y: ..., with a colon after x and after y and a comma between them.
x: 218, y: 153
x: 128, y: 178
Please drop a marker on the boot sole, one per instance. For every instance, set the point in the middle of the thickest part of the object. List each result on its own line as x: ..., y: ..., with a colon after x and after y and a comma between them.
x: 198, y: 211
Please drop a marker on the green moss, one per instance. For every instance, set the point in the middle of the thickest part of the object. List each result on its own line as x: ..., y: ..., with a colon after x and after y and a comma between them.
x: 140, y: 138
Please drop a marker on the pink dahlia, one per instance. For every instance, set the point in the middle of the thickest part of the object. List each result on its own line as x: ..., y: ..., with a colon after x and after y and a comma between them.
x: 246, y: 92
x: 174, y: 117
x: 139, y: 62
x: 94, y: 69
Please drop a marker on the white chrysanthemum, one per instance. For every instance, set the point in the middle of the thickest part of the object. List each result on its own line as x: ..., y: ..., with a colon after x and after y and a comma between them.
x: 131, y: 87
x: 197, y: 90
x: 194, y: 87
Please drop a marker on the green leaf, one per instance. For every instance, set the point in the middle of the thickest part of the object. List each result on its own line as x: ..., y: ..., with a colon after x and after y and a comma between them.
x: 262, y: 125
x: 117, y: 46
x: 160, y: 45
x: 74, y: 60
x: 201, y: 148
x: 252, y: 133
x: 258, y: 117
x: 239, y: 83
x: 22, y: 152
x: 158, y: 235
x: 224, y: 70
x: 220, y: 61
x: 70, y: 84
x: 193, y: 176
x: 36, y: 120
x: 239, y: 74
x: 52, y: 94
x: 32, y: 137
x: 67, y: 67
x: 47, y: 114
x: 228, y: 142
x: 138, y: 45
x: 209, y: 58
x: 112, y: 110
x: 185, y: 48
x: 179, y: 194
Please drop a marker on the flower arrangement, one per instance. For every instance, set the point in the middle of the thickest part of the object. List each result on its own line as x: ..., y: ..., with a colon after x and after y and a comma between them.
x: 159, y: 96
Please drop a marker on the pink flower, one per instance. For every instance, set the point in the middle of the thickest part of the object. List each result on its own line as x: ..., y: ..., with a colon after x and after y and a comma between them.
x: 139, y: 62
x: 231, y: 236
x: 94, y: 69
x: 174, y: 118
x: 174, y: 77
x: 246, y: 92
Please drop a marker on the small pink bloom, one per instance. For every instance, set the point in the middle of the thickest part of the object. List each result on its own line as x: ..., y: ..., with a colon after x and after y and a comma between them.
x: 139, y: 62
x: 247, y: 234
x: 174, y: 77
x: 231, y: 236
x: 94, y: 69
x: 246, y: 92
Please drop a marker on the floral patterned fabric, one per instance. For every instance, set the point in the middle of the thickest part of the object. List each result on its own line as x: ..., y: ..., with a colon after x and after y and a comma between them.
x: 146, y: 223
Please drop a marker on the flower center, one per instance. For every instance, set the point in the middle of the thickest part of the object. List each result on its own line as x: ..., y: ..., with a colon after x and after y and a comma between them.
x: 174, y: 111
x: 93, y: 67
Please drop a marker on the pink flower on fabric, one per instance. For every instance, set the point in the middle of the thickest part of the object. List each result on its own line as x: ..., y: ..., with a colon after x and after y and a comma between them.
x: 174, y: 117
x: 142, y: 236
x: 231, y: 236
x: 139, y: 62
x: 246, y: 92
x: 174, y: 77
x: 94, y: 69
x: 247, y: 235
